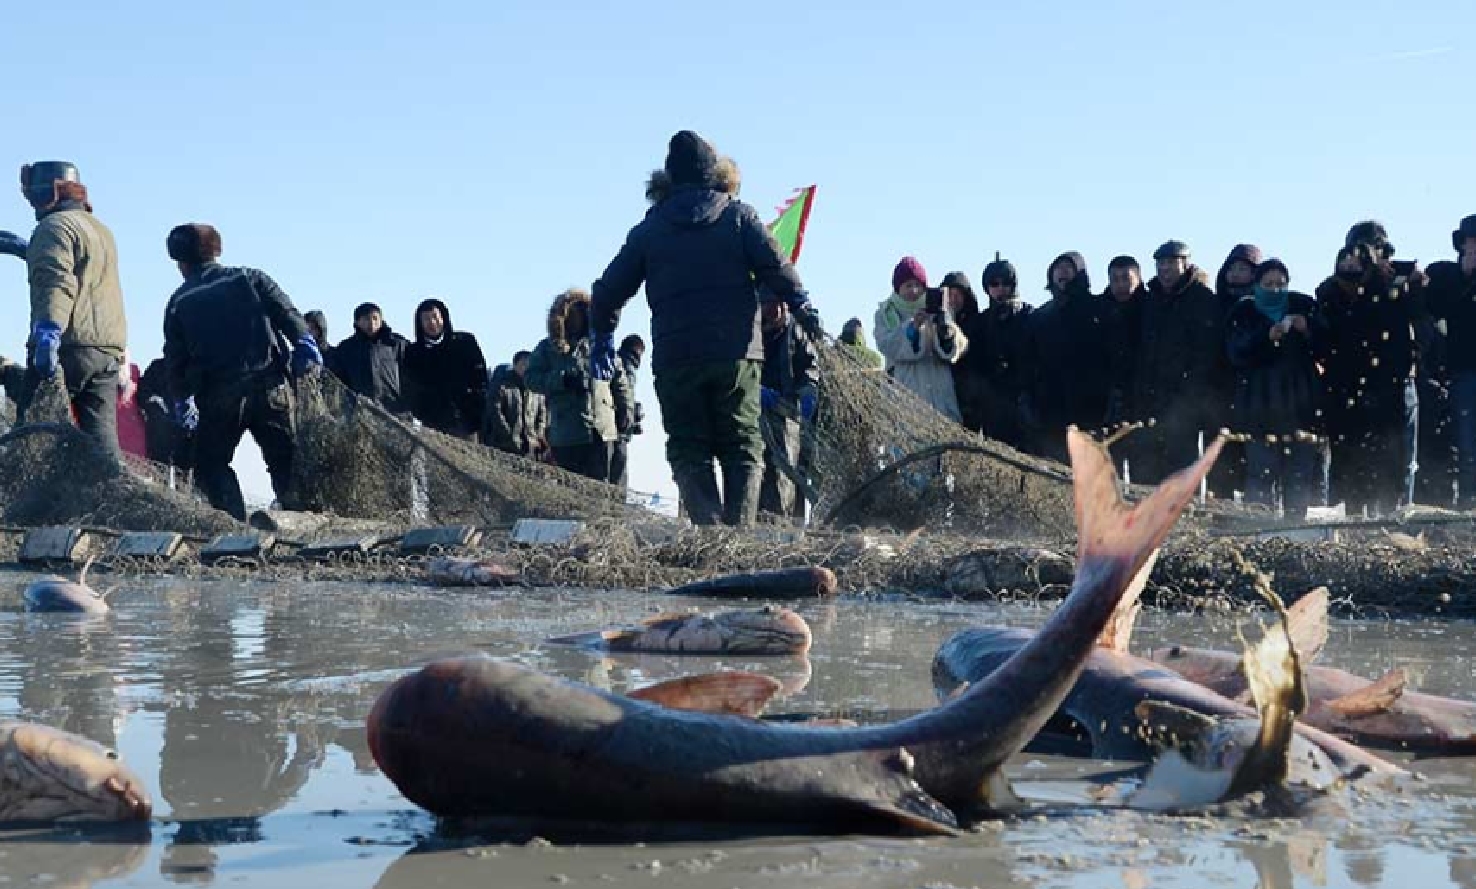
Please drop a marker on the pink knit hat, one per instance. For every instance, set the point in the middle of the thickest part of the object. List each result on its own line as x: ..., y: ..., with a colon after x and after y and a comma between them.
x: 909, y: 269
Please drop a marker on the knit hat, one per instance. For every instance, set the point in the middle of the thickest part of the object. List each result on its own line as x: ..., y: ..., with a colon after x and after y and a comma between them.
x: 1272, y: 265
x: 909, y: 269
x: 691, y: 160
x: 1467, y: 230
x: 959, y: 280
x: 364, y: 309
x: 1171, y: 249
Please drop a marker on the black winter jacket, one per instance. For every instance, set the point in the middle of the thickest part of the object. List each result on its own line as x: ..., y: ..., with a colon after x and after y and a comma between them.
x: 1070, y: 360
x: 225, y: 327
x: 446, y: 380
x: 791, y: 366
x: 997, y: 364
x: 1371, y: 347
x: 372, y: 366
x: 700, y: 254
x: 1124, y: 338
x: 1278, y: 390
x: 1182, y: 375
x: 1451, y: 295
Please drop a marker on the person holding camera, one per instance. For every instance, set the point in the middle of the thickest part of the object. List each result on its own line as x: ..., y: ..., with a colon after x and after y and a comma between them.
x: 1370, y: 306
x: 918, y: 338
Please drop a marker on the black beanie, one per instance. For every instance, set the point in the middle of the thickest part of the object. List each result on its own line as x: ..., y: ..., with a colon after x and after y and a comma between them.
x: 364, y: 309
x: 690, y: 160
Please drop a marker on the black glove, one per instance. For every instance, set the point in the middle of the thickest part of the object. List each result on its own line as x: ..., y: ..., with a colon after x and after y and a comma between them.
x: 808, y: 319
x: 576, y: 380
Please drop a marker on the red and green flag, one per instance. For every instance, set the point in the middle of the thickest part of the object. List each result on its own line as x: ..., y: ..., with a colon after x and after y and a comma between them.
x: 794, y: 216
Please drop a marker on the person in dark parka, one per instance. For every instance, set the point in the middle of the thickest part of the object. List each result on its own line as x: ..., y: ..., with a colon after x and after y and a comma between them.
x: 700, y: 253
x: 1069, y: 358
x: 998, y: 357
x: 790, y: 395
x: 1371, y: 306
x: 371, y: 361
x: 1273, y: 342
x: 1181, y: 380
x: 1452, y: 299
x: 963, y: 304
x: 1236, y: 280
x: 445, y: 373
x: 632, y: 353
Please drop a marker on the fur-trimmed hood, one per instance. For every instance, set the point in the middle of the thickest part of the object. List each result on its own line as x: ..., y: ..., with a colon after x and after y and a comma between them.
x: 729, y: 181
x: 558, y: 316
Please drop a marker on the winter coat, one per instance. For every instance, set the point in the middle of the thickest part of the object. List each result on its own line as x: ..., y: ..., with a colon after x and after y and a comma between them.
x: 1371, y: 348
x: 864, y: 354
x: 1182, y: 373
x: 73, y: 267
x: 1451, y: 296
x: 581, y: 409
x: 517, y: 417
x: 700, y: 253
x: 372, y: 366
x: 1278, y: 390
x: 790, y: 365
x: 446, y: 381
x: 224, y: 328
x: 1124, y: 338
x: 998, y: 362
x: 925, y: 369
x: 1070, y: 361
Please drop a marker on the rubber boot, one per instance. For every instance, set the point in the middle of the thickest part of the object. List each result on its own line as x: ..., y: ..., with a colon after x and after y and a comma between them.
x: 742, y: 484
x: 699, y: 492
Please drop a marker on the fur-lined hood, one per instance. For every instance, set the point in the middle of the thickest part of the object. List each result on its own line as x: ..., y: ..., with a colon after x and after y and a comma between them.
x: 558, y: 316
x: 729, y: 181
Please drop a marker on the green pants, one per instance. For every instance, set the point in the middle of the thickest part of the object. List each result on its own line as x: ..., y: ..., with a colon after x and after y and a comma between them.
x: 711, y: 411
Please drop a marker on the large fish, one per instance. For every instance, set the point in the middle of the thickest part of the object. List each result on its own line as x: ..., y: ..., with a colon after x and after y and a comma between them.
x: 57, y: 594
x: 1379, y: 713
x: 781, y: 583
x: 475, y: 736
x: 47, y: 774
x: 767, y: 630
x: 1103, y: 703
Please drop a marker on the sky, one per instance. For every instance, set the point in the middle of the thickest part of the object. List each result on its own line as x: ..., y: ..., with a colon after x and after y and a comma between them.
x: 494, y: 154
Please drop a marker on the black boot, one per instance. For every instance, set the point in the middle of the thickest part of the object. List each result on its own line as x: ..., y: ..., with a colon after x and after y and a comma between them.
x: 699, y: 491
x: 742, y: 483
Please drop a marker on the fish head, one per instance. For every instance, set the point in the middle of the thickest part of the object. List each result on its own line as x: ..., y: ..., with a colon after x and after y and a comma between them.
x: 58, y: 594
x: 53, y: 775
x: 1212, y: 669
x: 767, y: 630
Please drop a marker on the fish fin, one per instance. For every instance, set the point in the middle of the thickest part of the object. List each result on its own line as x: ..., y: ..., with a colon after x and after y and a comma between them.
x: 1372, y: 699
x: 1106, y: 526
x: 82, y: 575
x: 733, y: 692
x: 1173, y: 784
x: 911, y: 822
x: 598, y: 638
x: 999, y: 794
x: 1273, y: 670
x: 1306, y: 620
x: 1118, y: 634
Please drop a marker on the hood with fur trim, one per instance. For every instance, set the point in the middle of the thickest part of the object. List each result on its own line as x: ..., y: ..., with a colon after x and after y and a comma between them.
x: 729, y: 181
x: 564, y: 305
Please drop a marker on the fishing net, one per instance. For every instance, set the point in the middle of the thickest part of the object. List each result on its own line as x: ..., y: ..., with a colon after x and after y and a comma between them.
x: 356, y: 459
x: 53, y: 474
x: 876, y: 455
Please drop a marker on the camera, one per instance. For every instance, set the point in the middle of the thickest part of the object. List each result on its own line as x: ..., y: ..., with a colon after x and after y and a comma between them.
x: 933, y: 302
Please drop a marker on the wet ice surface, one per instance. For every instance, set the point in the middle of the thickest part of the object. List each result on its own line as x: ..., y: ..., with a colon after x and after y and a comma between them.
x: 242, y: 707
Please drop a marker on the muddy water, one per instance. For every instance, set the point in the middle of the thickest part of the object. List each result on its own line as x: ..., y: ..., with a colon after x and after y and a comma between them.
x: 242, y: 706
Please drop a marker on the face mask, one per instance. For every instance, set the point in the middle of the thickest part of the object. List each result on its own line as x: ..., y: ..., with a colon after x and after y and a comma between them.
x: 1271, y: 303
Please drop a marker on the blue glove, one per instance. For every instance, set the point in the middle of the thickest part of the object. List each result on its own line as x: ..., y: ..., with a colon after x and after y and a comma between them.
x: 46, y: 348
x: 306, y: 355
x: 14, y: 244
x: 768, y: 398
x: 808, y: 402
x: 914, y: 336
x: 186, y: 415
x: 602, y: 356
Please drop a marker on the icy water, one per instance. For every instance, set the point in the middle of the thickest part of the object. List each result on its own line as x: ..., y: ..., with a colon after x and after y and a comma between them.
x: 242, y: 707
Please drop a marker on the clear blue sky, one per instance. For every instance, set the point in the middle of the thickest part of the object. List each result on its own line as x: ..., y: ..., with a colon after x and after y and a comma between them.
x: 493, y: 154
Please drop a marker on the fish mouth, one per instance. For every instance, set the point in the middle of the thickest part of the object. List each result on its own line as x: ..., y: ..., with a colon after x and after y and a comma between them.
x: 766, y: 631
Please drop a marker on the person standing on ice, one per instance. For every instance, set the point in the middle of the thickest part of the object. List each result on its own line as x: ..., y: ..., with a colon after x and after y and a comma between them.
x: 917, y: 336
x: 701, y: 254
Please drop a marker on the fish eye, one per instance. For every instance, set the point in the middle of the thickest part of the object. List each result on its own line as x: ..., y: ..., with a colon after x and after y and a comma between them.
x: 1176, y: 651
x: 110, y: 754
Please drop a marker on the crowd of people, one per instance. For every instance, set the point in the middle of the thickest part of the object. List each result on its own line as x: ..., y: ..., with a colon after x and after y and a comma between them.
x: 1356, y: 394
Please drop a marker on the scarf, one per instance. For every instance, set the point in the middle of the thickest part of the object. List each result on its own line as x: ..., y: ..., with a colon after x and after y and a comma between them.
x: 899, y: 311
x: 1271, y: 303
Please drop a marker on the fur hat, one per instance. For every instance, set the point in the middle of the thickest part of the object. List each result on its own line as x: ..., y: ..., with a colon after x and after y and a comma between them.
x: 691, y: 160
x: 564, y: 305
x: 1467, y: 230
x: 909, y: 269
